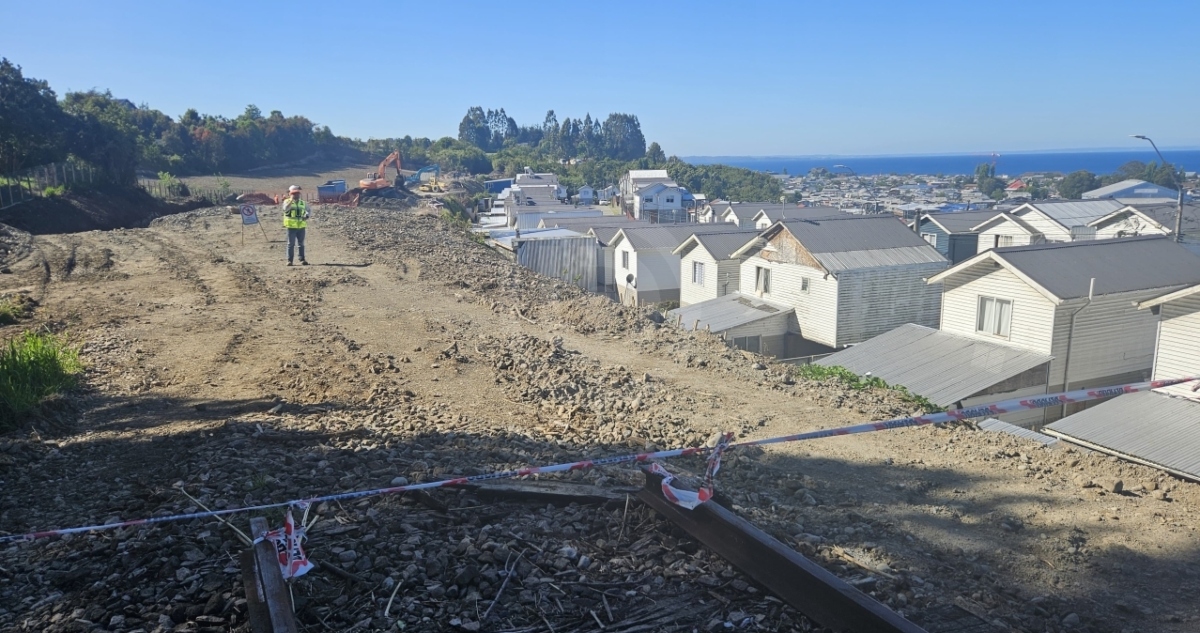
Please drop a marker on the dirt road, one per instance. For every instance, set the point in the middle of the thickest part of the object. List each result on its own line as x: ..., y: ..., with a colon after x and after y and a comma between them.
x: 408, y: 350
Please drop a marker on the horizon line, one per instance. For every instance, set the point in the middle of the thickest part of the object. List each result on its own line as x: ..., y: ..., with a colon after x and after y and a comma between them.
x: 1001, y: 153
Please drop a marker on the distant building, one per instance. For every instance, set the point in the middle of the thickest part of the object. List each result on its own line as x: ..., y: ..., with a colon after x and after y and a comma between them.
x: 1132, y: 189
x: 953, y: 234
x: 498, y: 185
x: 647, y: 269
x: 586, y: 195
x: 661, y: 202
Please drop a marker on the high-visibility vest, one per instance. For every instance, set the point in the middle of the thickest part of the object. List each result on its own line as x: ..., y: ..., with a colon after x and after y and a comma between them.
x: 293, y: 214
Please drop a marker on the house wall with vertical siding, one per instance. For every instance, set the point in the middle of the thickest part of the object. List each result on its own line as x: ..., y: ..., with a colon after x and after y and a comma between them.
x: 1033, y: 314
x: 1178, y: 351
x: 1112, y: 339
x: 773, y: 331
x: 872, y: 301
x: 816, y: 310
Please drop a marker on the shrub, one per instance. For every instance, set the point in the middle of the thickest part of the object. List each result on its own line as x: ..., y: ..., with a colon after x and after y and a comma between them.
x: 33, y: 367
x: 10, y: 311
x: 54, y: 192
x: 854, y: 381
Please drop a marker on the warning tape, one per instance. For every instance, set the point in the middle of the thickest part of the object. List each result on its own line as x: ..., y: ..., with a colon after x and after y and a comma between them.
x: 1006, y: 406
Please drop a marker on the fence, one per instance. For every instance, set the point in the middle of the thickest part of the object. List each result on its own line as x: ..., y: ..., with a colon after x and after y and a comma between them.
x: 33, y: 183
x: 175, y: 190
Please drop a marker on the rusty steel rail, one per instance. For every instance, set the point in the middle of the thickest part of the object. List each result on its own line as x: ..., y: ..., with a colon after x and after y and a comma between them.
x: 812, y: 590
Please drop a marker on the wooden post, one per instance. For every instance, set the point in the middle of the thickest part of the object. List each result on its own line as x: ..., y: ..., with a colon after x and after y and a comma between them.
x: 267, y: 598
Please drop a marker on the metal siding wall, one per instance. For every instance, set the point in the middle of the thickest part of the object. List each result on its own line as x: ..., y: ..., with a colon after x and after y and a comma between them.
x: 1044, y: 225
x: 816, y: 311
x: 963, y: 246
x: 729, y: 276
x: 1033, y: 314
x: 773, y: 331
x: 658, y: 271
x: 689, y: 292
x: 943, y: 239
x: 1112, y: 337
x: 873, y: 301
x: 1179, y: 344
x: 570, y: 259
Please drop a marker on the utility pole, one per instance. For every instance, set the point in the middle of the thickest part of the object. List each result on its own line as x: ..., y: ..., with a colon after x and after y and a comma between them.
x: 1179, y: 185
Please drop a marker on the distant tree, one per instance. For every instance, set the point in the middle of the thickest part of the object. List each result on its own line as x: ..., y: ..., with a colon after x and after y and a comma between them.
x: 623, y: 139
x: 1076, y: 183
x: 987, y: 182
x: 655, y: 154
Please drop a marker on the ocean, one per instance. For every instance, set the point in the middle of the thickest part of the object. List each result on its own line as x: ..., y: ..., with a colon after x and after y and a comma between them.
x: 1014, y: 164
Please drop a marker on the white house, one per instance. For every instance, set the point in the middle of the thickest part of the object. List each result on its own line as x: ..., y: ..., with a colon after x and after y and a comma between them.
x: 845, y: 280
x: 708, y: 268
x: 530, y: 181
x: 645, y: 265
x: 1148, y: 219
x: 1073, y: 301
x: 1158, y: 428
x: 586, y: 195
x: 1003, y: 230
x: 660, y: 202
x: 769, y: 215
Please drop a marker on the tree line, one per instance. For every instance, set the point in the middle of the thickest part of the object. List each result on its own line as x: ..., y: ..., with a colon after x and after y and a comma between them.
x: 119, y: 138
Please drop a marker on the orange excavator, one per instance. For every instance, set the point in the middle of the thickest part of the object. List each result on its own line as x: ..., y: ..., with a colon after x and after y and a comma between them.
x: 377, y: 184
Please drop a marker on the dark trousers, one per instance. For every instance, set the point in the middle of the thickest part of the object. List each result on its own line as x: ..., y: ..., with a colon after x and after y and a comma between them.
x: 295, y: 237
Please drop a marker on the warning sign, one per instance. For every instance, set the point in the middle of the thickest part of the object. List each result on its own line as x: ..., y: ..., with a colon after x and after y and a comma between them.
x: 249, y: 214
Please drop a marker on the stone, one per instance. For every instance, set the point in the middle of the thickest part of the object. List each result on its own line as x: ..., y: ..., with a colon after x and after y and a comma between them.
x: 400, y: 481
x: 1116, y: 486
x: 1072, y: 620
x: 348, y: 556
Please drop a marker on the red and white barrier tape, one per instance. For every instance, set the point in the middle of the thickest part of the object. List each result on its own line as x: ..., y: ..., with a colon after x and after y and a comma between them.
x: 1006, y: 406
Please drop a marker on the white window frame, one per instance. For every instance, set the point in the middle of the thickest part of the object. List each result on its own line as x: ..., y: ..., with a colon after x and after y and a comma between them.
x: 647, y: 199
x: 624, y: 260
x: 993, y: 316
x: 698, y: 273
x: 762, y: 280
x: 804, y: 285
x: 930, y: 238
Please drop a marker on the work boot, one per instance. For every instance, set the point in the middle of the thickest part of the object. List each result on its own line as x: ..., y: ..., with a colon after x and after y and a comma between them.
x: 304, y: 262
x: 289, y: 263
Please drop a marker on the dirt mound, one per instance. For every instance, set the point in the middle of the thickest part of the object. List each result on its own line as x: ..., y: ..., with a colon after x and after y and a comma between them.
x: 93, y: 210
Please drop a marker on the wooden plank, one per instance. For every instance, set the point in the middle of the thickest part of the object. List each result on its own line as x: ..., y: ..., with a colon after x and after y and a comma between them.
x: 256, y: 605
x: 805, y: 585
x: 275, y: 592
x: 559, y: 493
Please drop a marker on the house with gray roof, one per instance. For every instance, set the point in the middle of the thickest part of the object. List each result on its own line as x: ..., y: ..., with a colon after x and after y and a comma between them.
x: 1132, y: 190
x: 1150, y: 219
x: 1045, y: 221
x: 845, y: 280
x: 708, y: 267
x: 769, y: 215
x: 646, y: 268
x: 953, y: 234
x: 1072, y: 301
x: 1161, y: 427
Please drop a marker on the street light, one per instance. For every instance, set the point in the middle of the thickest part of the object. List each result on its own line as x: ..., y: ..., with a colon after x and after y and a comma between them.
x: 1179, y: 206
x: 874, y: 201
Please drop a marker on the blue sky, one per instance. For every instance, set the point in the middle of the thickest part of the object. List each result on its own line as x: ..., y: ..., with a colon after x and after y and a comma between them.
x: 712, y: 78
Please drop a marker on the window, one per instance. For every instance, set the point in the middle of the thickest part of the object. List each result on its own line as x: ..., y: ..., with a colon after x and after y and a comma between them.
x: 762, y: 280
x: 931, y: 238
x: 670, y: 199
x: 648, y: 199
x: 1004, y: 240
x: 698, y: 273
x: 804, y: 285
x: 749, y: 343
x: 625, y: 260
x: 994, y: 317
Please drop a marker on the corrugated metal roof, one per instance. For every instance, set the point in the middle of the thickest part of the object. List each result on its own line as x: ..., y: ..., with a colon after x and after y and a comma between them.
x: 1155, y: 428
x: 854, y: 233
x: 727, y: 312
x: 962, y: 221
x: 1119, y: 265
x: 504, y: 239
x: 943, y: 367
x: 670, y: 236
x: 850, y: 260
x: 1129, y: 189
x: 722, y: 245
x: 1071, y: 213
x: 1165, y: 214
x: 999, y: 426
x: 642, y: 174
x: 775, y: 214
x: 586, y: 223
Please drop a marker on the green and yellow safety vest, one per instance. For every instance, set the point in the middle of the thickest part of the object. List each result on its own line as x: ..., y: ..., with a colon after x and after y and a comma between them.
x: 294, y: 212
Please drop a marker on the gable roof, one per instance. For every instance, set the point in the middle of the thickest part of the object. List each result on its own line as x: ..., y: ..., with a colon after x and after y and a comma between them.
x: 960, y: 221
x: 1005, y: 217
x: 1069, y: 213
x: 1164, y: 214
x: 720, y: 245
x: 1063, y: 270
x: 1170, y: 296
x: 943, y: 367
x: 668, y: 236
x: 855, y: 241
x: 742, y: 210
x: 647, y: 174
x: 775, y: 213
x: 657, y: 186
x: 1141, y: 189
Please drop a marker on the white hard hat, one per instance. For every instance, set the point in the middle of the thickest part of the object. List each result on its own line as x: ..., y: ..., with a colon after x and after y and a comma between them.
x: 293, y: 188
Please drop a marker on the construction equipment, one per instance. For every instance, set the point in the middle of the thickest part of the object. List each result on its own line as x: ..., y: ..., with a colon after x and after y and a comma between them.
x: 432, y: 185
x: 377, y: 184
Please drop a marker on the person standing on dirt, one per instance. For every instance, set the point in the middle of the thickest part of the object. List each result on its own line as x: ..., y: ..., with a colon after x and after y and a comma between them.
x: 295, y: 216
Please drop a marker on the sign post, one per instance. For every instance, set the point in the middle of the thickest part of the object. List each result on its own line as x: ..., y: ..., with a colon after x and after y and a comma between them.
x: 250, y: 216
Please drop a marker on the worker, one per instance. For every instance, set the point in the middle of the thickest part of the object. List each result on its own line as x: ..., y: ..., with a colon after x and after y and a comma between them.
x: 295, y: 216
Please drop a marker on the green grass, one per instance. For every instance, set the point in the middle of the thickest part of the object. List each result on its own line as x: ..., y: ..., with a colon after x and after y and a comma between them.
x: 854, y: 381
x: 10, y: 312
x: 33, y: 367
